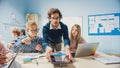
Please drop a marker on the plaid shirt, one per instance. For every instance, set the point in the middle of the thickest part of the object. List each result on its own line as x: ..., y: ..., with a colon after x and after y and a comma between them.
x: 28, y: 48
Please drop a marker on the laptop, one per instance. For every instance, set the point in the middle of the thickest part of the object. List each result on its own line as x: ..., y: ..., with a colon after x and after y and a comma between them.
x: 86, y: 49
x: 11, y: 64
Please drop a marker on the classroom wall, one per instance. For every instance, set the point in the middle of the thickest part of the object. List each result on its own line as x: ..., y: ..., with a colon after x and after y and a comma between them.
x: 11, y: 11
x: 108, y: 44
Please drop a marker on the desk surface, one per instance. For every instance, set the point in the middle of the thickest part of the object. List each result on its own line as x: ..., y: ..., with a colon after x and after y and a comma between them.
x: 81, y: 62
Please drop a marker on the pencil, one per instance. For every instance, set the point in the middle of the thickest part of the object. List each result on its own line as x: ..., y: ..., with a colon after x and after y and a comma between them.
x: 36, y: 61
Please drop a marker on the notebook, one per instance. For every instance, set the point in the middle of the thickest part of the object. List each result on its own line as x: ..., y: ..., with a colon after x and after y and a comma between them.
x: 86, y: 49
x: 108, y: 59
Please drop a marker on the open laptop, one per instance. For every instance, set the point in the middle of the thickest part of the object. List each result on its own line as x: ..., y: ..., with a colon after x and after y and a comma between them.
x: 86, y: 49
x: 11, y: 64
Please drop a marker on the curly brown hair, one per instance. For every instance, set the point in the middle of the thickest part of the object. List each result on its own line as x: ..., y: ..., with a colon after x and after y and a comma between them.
x: 54, y: 10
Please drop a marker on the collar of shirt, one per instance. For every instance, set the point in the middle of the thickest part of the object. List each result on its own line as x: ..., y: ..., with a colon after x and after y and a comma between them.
x: 59, y: 27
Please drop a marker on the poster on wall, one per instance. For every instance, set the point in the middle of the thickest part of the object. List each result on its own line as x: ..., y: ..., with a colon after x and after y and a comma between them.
x: 104, y: 24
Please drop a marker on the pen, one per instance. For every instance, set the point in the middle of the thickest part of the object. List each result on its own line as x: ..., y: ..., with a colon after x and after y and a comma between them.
x: 36, y: 61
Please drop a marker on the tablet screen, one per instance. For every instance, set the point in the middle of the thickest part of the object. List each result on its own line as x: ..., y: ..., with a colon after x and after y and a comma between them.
x: 58, y: 58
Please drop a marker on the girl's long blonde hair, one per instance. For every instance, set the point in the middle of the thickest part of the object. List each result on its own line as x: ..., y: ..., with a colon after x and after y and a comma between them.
x: 78, y: 38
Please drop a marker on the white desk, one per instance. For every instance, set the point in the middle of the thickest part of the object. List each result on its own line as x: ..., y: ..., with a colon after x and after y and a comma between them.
x: 82, y: 62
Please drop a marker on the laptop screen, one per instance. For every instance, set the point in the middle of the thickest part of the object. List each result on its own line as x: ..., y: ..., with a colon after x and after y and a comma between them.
x: 86, y: 49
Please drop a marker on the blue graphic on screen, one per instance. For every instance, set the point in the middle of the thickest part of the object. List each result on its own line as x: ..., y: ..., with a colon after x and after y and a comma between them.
x: 104, y: 24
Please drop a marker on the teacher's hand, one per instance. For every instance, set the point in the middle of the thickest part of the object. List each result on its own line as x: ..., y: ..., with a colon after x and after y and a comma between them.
x: 49, y: 52
x: 68, y: 52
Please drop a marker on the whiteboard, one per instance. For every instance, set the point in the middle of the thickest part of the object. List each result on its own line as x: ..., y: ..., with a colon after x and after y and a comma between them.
x: 69, y: 21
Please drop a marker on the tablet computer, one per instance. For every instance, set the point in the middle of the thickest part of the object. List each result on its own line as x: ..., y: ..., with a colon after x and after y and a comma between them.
x: 60, y: 58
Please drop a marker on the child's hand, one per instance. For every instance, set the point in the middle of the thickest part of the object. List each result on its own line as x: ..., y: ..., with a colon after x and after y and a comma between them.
x: 26, y: 40
x: 3, y: 59
x: 10, y: 45
x: 38, y: 47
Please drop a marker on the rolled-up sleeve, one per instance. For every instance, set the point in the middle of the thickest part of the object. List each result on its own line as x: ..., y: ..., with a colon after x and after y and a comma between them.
x: 65, y: 36
x: 45, y: 38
